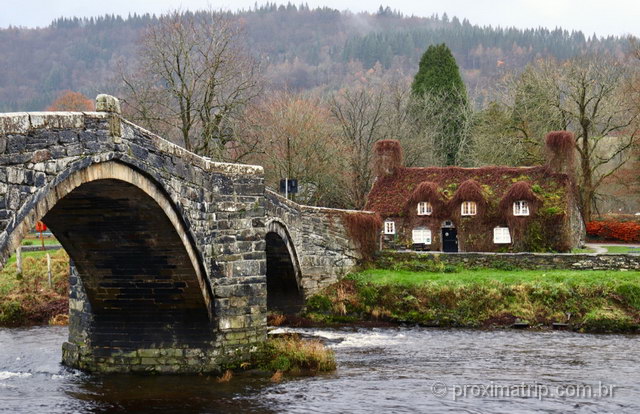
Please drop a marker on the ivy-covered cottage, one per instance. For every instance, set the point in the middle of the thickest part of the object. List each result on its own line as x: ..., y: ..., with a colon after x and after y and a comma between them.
x: 486, y: 209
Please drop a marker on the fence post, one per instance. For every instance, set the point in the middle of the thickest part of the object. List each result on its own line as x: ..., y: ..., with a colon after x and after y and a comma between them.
x: 49, y: 271
x: 19, y: 260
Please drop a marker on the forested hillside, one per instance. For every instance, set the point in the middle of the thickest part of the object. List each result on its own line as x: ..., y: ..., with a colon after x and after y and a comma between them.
x: 298, y: 48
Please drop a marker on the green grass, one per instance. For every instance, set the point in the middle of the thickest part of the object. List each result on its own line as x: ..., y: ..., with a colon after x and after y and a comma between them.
x: 509, y: 277
x: 622, y: 249
x: 27, y: 298
x: 36, y: 254
x: 585, y: 250
x: 588, y: 300
x: 31, y: 241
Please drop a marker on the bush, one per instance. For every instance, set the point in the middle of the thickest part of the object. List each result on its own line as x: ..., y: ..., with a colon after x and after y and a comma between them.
x: 627, y: 231
x: 607, y: 320
x: 319, y: 303
x: 11, y: 314
x: 292, y: 354
x: 629, y: 295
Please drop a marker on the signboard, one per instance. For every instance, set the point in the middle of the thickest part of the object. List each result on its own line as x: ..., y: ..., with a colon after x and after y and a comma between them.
x: 289, y: 186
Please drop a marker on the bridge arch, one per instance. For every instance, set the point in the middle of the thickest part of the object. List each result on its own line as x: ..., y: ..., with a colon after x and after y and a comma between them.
x: 141, y: 282
x: 284, y: 276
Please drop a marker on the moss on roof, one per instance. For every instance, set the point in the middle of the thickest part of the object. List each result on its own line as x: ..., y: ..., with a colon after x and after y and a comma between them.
x: 389, y: 194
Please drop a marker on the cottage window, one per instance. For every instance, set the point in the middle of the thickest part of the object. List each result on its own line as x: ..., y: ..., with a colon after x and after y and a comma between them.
x: 501, y: 235
x: 421, y: 235
x: 521, y: 208
x: 469, y: 208
x: 389, y: 227
x: 424, y: 208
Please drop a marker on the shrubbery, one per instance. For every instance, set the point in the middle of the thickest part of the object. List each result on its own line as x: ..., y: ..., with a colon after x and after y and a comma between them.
x: 627, y: 231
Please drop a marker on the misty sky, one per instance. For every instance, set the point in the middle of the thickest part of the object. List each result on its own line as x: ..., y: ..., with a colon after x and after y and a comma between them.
x: 603, y: 17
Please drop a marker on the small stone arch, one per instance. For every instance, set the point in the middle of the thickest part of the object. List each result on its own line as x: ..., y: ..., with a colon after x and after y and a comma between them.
x: 278, y: 238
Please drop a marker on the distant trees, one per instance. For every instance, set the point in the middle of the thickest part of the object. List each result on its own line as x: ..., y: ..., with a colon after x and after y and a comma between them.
x: 589, y: 96
x: 192, y: 81
x: 440, y: 102
x: 71, y: 101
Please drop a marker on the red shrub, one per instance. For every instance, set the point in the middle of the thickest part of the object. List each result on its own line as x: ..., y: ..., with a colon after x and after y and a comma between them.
x: 613, y: 230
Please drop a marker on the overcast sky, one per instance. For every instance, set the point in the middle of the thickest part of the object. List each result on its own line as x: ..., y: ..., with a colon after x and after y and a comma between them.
x: 603, y: 17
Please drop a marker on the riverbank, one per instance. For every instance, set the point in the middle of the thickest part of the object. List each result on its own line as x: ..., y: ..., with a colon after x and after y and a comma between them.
x: 585, y: 301
x: 27, y: 298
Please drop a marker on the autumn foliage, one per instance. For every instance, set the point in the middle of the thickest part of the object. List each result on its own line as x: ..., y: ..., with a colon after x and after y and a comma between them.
x: 364, y: 229
x: 614, y: 230
x: 71, y: 101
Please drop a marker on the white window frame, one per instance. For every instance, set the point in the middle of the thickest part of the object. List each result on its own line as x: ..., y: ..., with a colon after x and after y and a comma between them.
x: 425, y: 208
x: 521, y: 208
x: 389, y: 227
x: 501, y: 235
x: 421, y: 235
x: 469, y: 208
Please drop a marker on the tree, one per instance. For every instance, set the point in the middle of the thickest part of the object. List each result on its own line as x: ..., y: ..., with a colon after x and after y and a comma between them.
x: 296, y: 140
x: 192, y: 81
x: 438, y: 80
x: 589, y: 96
x: 359, y: 113
x: 71, y: 101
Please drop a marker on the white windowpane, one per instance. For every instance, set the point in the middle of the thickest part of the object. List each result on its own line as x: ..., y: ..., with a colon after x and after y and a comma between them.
x: 521, y: 208
x: 469, y: 208
x: 424, y: 208
x: 421, y: 235
x: 389, y: 227
x: 501, y: 235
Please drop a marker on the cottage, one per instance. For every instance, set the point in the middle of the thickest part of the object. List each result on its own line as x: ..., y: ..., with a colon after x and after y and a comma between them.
x: 486, y: 209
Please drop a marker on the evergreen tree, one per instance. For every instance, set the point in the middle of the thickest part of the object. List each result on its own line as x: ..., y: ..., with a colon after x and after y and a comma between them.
x: 438, y: 80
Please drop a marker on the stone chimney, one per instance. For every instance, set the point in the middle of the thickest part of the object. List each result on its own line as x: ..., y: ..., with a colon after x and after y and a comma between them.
x: 560, y: 152
x: 388, y: 157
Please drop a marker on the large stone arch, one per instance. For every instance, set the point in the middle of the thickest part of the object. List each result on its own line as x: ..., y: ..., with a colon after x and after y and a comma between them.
x: 284, y: 276
x: 211, y: 213
x: 48, y: 197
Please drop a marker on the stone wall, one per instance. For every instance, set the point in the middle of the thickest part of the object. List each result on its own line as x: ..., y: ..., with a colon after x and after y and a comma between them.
x: 321, y: 242
x: 216, y: 212
x: 534, y: 261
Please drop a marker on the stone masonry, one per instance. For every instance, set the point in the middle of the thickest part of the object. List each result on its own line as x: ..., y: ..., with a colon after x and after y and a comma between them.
x: 533, y: 261
x: 168, y: 247
x: 320, y: 245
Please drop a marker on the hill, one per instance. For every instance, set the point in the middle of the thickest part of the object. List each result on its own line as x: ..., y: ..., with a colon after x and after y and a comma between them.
x: 299, y: 48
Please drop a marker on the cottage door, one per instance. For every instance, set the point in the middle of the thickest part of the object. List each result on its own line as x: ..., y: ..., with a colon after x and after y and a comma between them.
x: 449, y: 240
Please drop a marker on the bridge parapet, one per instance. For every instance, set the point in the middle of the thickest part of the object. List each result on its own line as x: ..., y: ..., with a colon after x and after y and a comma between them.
x: 325, y: 249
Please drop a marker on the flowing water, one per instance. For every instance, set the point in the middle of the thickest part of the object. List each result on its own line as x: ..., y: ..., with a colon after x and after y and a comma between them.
x: 379, y: 370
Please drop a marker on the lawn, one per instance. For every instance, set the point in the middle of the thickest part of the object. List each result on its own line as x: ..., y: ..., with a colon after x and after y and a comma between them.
x: 622, y: 249
x: 35, y: 254
x: 509, y: 277
x: 586, y: 300
x: 34, y: 241
x: 585, y: 250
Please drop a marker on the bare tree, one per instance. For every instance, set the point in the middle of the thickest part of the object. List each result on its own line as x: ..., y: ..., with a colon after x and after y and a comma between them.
x: 296, y: 140
x: 192, y: 81
x: 587, y: 95
x: 359, y: 113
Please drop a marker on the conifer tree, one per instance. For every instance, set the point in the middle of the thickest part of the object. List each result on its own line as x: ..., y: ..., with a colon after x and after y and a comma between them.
x: 439, y: 88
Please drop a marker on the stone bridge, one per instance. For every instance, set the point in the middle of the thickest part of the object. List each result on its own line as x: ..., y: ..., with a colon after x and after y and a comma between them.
x: 173, y: 254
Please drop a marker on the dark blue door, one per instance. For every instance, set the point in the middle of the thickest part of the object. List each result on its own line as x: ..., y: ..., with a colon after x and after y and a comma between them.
x: 449, y: 240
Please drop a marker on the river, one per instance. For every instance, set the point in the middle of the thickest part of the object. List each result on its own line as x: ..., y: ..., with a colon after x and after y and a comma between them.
x: 395, y: 370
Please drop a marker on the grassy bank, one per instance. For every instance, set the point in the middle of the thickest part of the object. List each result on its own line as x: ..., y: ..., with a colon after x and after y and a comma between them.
x: 283, y: 354
x: 27, y: 299
x: 589, y: 301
